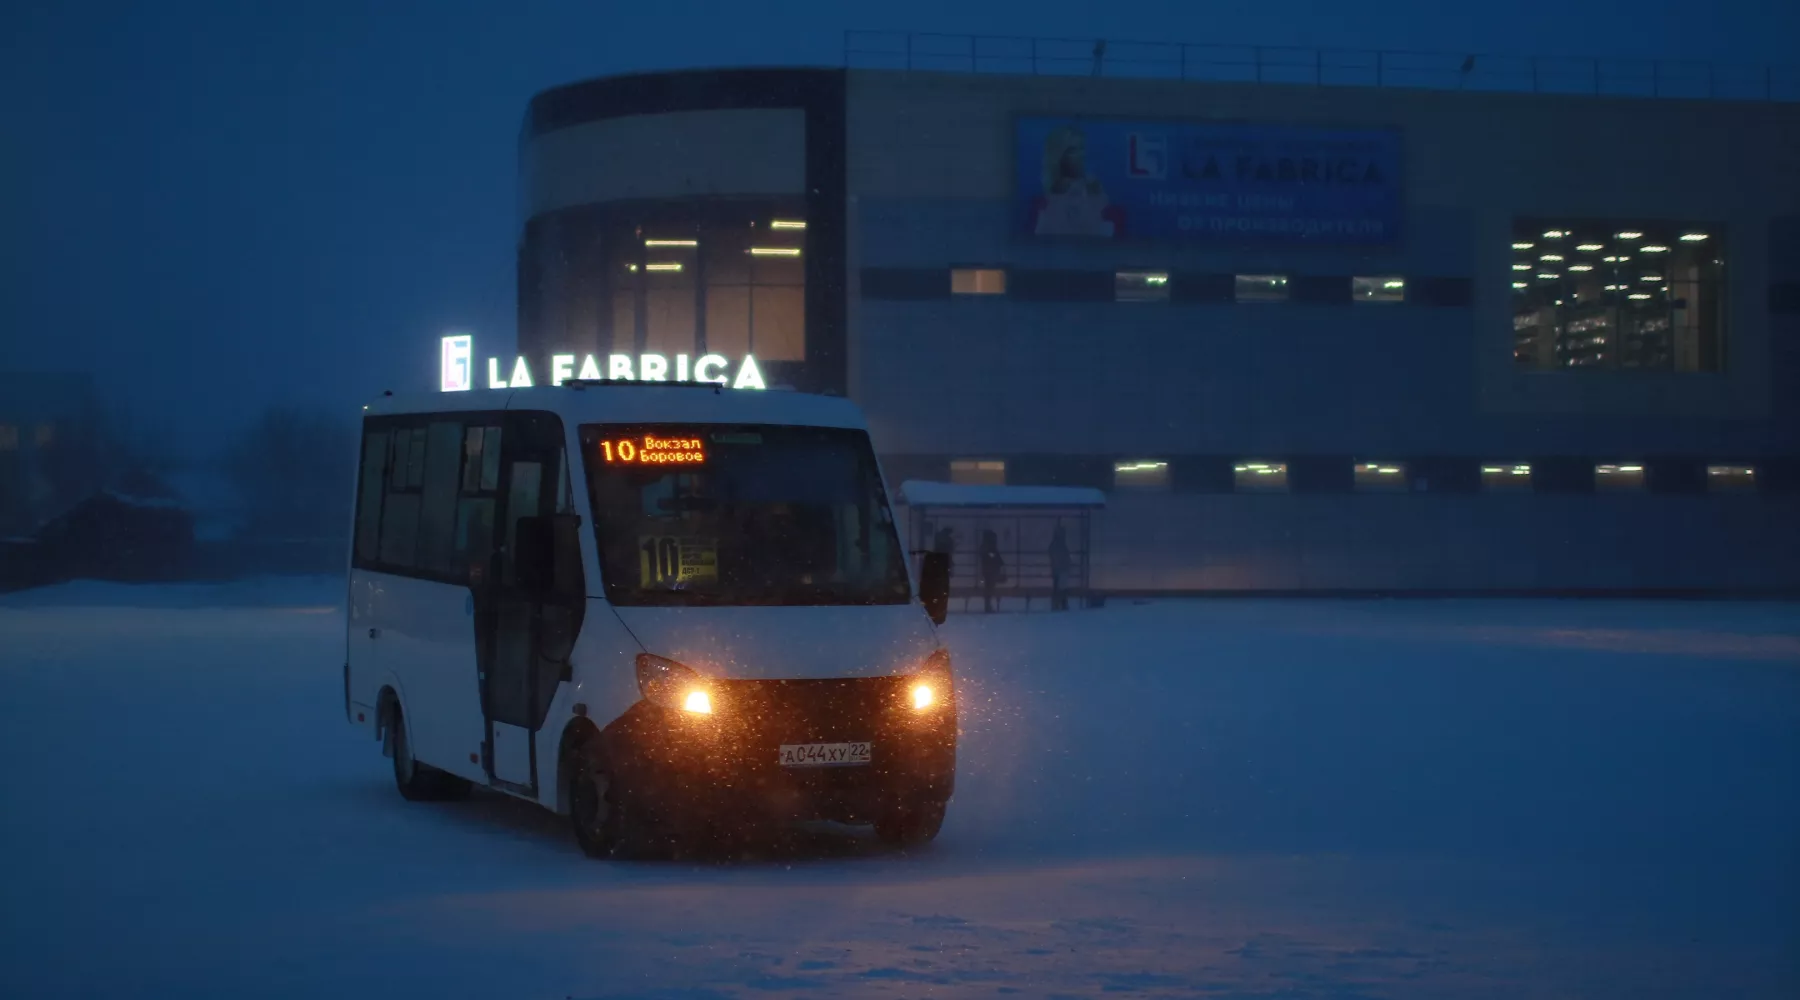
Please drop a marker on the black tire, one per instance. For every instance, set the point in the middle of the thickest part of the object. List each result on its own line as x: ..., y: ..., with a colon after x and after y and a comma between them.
x: 605, y: 817
x: 911, y: 824
x: 418, y: 781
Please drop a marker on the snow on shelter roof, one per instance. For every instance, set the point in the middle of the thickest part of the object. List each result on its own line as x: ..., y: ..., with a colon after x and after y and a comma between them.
x: 922, y: 493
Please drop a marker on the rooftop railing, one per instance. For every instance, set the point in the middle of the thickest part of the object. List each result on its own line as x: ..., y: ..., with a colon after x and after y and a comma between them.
x: 1325, y: 67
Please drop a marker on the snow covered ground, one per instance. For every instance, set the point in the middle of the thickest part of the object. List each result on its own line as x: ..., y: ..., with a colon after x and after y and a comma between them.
x: 1232, y: 799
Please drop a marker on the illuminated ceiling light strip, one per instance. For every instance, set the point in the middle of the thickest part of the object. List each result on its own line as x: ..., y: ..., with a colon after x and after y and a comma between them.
x: 1547, y: 276
x: 670, y: 265
x: 1553, y: 234
x: 1523, y: 246
x: 1629, y: 234
x: 1521, y: 267
x: 1551, y: 256
x: 1654, y: 249
x: 1692, y: 237
x: 1589, y: 246
x: 774, y: 251
x: 1581, y: 267
x: 671, y: 243
x: 787, y: 224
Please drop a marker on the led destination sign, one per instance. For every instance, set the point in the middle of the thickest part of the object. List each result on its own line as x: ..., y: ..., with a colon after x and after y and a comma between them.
x: 650, y: 449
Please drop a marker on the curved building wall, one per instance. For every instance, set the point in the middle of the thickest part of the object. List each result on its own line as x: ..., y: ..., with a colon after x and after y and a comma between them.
x: 673, y: 216
x: 682, y: 154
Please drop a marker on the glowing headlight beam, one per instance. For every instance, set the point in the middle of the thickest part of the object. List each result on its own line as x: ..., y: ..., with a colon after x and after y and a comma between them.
x: 923, y: 696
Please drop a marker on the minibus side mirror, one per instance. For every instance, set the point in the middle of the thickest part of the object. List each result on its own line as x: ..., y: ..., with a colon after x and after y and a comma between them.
x: 934, y: 585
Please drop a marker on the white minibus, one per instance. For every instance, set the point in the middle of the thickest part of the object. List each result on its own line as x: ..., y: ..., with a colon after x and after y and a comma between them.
x: 662, y: 610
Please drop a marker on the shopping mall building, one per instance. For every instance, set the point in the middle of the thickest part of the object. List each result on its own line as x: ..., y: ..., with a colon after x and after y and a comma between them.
x: 1353, y: 331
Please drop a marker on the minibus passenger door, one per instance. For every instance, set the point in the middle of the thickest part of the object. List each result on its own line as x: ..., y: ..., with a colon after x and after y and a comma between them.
x: 523, y: 654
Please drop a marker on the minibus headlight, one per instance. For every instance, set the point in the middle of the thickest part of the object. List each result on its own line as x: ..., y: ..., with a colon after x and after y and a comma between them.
x: 931, y: 686
x: 672, y: 685
x: 923, y: 696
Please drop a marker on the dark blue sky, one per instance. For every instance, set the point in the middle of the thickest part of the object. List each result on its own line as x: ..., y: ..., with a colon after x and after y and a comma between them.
x: 216, y: 206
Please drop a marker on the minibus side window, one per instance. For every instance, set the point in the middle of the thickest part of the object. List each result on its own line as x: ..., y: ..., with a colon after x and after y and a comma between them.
x: 475, y: 506
x: 437, y: 514
x: 427, y: 494
x: 400, y: 511
x: 368, y: 500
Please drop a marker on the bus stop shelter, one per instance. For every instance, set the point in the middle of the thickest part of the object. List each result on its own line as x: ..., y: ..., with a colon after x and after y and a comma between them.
x: 1026, y: 522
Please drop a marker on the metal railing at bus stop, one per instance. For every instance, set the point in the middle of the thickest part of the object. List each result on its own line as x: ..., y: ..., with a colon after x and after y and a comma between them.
x: 1345, y: 67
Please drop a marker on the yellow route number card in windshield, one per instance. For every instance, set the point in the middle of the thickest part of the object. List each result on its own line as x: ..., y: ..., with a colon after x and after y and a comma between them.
x: 664, y: 560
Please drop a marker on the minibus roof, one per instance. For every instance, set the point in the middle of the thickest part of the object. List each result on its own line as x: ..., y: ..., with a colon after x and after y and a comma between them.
x: 637, y: 402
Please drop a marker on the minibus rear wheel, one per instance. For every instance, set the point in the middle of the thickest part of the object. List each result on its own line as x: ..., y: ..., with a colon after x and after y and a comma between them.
x: 910, y: 824
x: 417, y: 781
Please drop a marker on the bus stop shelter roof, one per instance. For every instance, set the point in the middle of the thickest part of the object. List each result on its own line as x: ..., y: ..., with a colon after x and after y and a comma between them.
x: 923, y: 493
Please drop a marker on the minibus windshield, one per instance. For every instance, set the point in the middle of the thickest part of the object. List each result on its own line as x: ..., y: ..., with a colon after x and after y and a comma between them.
x: 709, y: 514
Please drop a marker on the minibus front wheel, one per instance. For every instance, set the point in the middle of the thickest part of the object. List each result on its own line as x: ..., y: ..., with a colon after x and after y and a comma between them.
x: 607, y: 821
x: 910, y: 824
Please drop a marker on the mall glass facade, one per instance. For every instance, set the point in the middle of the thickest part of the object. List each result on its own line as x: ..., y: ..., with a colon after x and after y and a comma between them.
x: 721, y: 277
x: 1612, y: 294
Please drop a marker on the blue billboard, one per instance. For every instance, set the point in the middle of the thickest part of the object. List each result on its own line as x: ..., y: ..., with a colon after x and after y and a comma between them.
x: 1227, y: 182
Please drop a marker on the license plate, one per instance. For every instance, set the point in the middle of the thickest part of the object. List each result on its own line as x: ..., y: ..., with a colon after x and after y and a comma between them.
x: 824, y: 754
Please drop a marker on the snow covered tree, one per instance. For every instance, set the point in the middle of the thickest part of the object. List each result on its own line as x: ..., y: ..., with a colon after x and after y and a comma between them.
x: 293, y: 469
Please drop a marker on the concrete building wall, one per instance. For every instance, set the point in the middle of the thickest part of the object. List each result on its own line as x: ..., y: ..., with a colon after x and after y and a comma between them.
x: 931, y: 177
x: 1423, y: 542
x: 931, y: 184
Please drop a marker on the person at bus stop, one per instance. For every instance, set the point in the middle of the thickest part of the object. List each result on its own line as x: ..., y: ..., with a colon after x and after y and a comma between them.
x: 992, y: 568
x: 1059, y: 569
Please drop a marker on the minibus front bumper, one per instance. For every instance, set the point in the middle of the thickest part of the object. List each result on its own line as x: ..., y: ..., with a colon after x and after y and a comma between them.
x: 727, y: 766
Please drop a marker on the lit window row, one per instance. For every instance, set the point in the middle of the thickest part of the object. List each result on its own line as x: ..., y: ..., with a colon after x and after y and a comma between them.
x: 670, y: 246
x: 1257, y: 476
x: 978, y: 472
x: 1153, y: 286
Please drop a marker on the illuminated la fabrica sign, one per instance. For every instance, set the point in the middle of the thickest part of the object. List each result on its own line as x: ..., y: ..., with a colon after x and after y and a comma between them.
x: 456, y: 368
